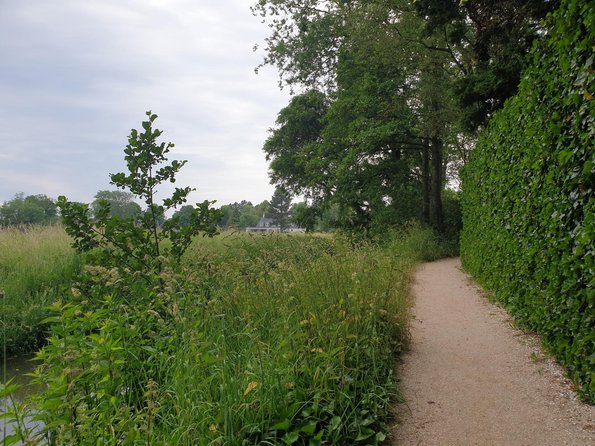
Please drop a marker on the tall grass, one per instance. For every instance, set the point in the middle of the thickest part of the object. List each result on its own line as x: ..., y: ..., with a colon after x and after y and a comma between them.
x: 268, y: 340
x: 34, y: 263
x: 300, y: 351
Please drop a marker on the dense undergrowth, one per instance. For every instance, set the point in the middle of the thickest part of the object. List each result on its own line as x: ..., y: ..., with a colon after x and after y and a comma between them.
x: 529, y: 197
x: 301, y: 347
x: 258, y: 340
x: 35, y: 263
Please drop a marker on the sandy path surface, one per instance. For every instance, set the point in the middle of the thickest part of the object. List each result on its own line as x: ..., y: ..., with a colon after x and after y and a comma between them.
x: 470, y: 378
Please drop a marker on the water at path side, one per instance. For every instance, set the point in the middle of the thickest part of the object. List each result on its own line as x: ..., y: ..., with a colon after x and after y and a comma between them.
x: 17, y: 370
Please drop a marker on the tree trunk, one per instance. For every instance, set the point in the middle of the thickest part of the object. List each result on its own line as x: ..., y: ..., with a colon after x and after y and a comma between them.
x: 425, y: 174
x: 436, y: 213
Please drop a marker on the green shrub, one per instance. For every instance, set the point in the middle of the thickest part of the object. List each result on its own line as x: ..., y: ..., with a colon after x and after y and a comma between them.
x: 453, y: 217
x: 113, y: 334
x: 529, y: 208
x: 274, y: 338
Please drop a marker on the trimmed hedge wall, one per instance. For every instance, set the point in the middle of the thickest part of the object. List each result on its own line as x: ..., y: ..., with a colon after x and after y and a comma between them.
x: 528, y: 197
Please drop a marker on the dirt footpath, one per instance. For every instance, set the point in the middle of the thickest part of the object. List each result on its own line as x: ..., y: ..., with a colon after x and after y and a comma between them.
x: 470, y: 378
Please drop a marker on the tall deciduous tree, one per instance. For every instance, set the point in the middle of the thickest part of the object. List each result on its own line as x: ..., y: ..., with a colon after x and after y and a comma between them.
x: 292, y: 148
x: 380, y: 146
x: 489, y: 41
x: 403, y: 83
x: 121, y: 204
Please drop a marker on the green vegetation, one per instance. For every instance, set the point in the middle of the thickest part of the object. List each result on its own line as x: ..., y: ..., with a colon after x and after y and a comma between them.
x: 242, y: 215
x: 120, y: 203
x: 36, y: 263
x: 270, y: 337
x: 529, y: 206
x: 280, y: 208
x: 30, y: 210
x: 295, y: 345
x: 489, y: 41
x: 240, y: 340
x: 127, y: 295
x: 392, y: 94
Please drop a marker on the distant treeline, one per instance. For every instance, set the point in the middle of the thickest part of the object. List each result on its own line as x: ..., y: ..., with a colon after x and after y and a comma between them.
x: 28, y: 210
x: 279, y: 211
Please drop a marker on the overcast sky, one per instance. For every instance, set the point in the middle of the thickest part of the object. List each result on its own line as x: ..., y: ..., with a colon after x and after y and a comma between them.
x: 76, y: 76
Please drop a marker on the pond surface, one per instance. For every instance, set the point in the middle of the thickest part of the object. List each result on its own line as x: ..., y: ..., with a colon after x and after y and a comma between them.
x: 17, y: 370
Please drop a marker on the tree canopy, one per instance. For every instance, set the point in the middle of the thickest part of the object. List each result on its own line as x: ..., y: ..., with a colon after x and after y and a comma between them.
x: 372, y: 141
x: 242, y: 214
x: 30, y: 210
x: 121, y: 203
x: 489, y: 41
x: 392, y: 93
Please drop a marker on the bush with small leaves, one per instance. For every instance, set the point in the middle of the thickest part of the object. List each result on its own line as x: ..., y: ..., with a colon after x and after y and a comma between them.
x: 113, y: 335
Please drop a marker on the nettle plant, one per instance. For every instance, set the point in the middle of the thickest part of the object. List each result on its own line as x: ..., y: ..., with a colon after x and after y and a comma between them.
x: 105, y: 368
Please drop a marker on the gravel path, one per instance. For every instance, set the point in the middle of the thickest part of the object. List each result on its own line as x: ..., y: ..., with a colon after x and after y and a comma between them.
x: 471, y: 378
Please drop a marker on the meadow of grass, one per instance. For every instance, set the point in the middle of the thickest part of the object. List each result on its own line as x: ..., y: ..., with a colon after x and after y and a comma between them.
x: 35, y: 262
x: 256, y: 339
x: 296, y: 347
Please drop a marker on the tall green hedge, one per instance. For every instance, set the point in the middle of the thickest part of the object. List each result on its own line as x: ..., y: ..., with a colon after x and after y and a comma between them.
x: 528, y: 200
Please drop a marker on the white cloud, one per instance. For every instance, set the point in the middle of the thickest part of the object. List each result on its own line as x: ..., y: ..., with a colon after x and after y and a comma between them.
x: 79, y: 75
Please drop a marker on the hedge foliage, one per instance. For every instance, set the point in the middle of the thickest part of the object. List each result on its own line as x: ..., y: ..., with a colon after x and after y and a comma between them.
x: 528, y: 201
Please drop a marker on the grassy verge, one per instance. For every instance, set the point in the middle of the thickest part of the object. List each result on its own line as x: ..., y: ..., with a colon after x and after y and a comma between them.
x: 34, y: 263
x: 297, y: 348
x: 266, y: 340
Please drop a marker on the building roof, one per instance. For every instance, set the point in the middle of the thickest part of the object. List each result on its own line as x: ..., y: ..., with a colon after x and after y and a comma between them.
x: 266, y: 223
